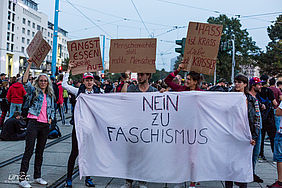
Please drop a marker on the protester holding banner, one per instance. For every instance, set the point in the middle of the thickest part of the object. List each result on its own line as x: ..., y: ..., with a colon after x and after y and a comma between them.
x: 41, y: 113
x: 87, y: 87
x: 142, y: 86
x: 193, y: 80
x: 192, y: 83
x: 241, y: 85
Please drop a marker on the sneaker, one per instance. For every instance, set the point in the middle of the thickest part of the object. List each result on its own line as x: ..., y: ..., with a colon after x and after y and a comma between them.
x: 89, y: 183
x: 24, y: 184
x: 192, y: 185
x: 127, y: 185
x: 276, y: 184
x: 40, y: 181
x: 68, y: 183
x: 262, y: 157
x: 257, y: 179
x: 141, y: 184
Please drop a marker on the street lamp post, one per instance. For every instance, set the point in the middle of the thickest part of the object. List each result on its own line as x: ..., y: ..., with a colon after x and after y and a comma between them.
x: 55, y: 39
x: 233, y: 58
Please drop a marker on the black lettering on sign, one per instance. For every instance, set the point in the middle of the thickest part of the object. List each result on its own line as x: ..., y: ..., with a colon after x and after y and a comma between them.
x: 120, y: 132
x: 155, y: 104
x: 132, y: 134
x: 203, y: 136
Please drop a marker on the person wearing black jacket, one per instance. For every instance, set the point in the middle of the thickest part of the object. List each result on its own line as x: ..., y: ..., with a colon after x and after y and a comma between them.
x: 4, y: 102
x: 88, y: 87
x: 14, y: 128
x: 241, y: 85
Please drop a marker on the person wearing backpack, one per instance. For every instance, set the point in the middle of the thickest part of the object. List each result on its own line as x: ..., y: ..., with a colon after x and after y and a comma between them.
x: 267, y: 99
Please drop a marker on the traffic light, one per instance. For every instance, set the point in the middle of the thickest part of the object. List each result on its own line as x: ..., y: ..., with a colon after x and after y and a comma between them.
x: 182, y: 44
x: 60, y: 69
x: 102, y: 75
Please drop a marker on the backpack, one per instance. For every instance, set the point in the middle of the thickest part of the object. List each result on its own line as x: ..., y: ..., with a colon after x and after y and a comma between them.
x: 54, y: 131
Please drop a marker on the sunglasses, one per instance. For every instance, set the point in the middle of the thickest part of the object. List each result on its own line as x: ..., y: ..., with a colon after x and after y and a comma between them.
x: 45, y: 81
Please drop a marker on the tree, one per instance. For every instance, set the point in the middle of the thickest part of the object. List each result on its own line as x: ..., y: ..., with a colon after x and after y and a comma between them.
x: 270, y: 61
x: 244, y: 45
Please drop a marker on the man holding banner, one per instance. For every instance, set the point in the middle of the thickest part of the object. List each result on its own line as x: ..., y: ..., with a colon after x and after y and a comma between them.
x: 142, y: 86
x: 87, y: 87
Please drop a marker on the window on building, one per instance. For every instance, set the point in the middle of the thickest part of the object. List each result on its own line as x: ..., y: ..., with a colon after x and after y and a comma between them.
x: 33, y: 34
x: 33, y: 25
x: 9, y: 25
x: 8, y: 36
x: 14, y: 6
x: 48, y: 34
x: 27, y: 41
x: 28, y: 23
x: 38, y: 27
x: 23, y: 49
x: 9, y: 15
x: 13, y: 27
x: 10, y: 5
x: 12, y: 39
x: 28, y: 32
x: 8, y: 46
x: 23, y: 39
x: 13, y: 17
x: 23, y: 30
x: 12, y: 47
x: 24, y: 20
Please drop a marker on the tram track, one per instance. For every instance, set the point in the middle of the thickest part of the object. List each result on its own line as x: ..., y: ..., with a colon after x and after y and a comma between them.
x: 49, y: 144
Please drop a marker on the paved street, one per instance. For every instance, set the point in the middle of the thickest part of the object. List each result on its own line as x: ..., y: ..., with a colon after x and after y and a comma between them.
x: 55, y: 166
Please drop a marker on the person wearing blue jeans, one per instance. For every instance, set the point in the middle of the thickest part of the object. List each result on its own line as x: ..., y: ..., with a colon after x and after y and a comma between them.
x: 15, y: 107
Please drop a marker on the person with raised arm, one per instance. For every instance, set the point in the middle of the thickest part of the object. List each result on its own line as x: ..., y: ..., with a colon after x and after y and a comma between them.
x: 88, y: 87
x: 40, y: 115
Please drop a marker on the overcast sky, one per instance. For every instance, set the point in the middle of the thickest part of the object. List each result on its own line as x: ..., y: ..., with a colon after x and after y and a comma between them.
x: 167, y: 20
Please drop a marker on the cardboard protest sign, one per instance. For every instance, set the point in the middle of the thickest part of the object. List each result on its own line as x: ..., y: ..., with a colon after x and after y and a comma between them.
x: 38, y: 49
x: 85, y: 55
x: 135, y: 55
x: 201, y: 47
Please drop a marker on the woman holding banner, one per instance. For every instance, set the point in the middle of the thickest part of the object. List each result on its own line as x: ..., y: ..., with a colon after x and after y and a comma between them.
x: 87, y: 87
x: 40, y: 114
x: 241, y: 85
x: 192, y: 82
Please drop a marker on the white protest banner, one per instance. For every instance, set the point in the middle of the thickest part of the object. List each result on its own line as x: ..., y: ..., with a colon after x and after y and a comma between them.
x: 38, y: 49
x: 85, y: 54
x: 164, y: 137
x: 201, y: 47
x: 133, y: 55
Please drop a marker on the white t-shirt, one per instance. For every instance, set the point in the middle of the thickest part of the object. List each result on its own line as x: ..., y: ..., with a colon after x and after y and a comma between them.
x: 280, y: 126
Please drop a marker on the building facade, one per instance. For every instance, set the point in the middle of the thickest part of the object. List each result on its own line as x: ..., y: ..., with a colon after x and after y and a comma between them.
x: 19, y: 22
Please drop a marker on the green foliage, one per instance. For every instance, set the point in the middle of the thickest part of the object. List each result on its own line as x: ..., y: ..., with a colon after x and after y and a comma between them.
x: 159, y: 75
x: 244, y: 45
x: 270, y: 61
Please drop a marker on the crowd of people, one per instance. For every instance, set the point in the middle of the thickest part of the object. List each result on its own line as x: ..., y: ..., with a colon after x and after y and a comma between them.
x: 32, y: 104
